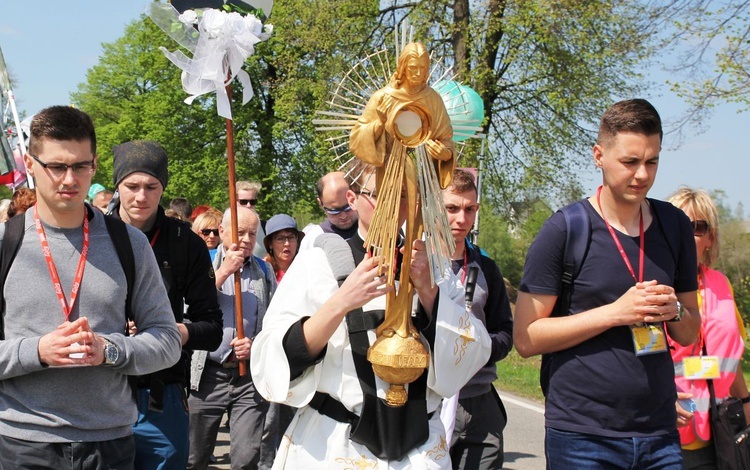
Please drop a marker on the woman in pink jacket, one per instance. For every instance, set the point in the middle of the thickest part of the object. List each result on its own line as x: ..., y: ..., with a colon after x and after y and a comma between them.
x: 721, y: 335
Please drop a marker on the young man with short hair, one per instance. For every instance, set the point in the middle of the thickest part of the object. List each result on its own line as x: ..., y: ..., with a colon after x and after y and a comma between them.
x: 66, y: 357
x: 607, y: 371
x: 477, y: 440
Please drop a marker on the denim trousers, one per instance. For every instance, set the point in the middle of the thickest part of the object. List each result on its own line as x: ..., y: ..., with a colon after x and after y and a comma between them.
x: 161, y: 436
x: 567, y: 450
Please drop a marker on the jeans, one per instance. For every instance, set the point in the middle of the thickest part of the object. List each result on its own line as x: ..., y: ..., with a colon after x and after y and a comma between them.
x: 161, y: 437
x: 567, y: 450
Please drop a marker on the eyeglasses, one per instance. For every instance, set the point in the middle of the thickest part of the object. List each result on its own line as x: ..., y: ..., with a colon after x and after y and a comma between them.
x: 59, y: 170
x: 285, y: 238
x: 208, y: 231
x: 336, y: 210
x: 368, y: 193
x: 700, y: 227
x: 245, y: 202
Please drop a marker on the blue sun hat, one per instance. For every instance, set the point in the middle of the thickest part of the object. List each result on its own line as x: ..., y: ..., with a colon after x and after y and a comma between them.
x: 277, y: 223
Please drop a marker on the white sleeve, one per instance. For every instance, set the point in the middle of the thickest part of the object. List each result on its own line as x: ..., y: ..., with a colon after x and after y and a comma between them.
x: 307, y: 285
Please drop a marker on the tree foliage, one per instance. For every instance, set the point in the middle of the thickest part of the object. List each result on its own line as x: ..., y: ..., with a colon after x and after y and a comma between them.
x: 135, y: 93
x: 715, y: 65
x: 545, y: 71
x: 734, y: 255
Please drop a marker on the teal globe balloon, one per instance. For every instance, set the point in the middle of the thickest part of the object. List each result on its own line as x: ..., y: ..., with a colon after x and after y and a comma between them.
x: 464, y: 105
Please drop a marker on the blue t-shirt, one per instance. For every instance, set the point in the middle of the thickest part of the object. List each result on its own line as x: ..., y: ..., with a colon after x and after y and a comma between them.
x: 600, y: 386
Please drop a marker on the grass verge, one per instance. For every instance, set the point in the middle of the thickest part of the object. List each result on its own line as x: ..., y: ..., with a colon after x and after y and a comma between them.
x: 520, y: 376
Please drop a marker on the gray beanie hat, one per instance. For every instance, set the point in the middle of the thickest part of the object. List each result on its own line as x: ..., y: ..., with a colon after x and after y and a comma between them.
x: 140, y: 156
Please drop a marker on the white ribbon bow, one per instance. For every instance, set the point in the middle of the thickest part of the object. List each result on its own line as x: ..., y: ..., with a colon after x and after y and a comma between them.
x: 220, y: 47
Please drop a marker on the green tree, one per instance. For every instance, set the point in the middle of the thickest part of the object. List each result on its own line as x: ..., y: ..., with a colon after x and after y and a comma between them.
x: 715, y: 65
x: 546, y: 71
x: 734, y: 254
x: 135, y: 93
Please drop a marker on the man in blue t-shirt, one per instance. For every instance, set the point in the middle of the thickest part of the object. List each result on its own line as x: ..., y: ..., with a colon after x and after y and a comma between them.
x: 610, y: 394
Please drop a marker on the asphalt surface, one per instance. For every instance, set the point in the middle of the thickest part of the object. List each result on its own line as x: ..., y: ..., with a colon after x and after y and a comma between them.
x: 524, y: 437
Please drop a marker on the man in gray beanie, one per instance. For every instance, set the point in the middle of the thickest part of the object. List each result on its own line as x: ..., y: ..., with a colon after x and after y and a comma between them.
x: 140, y: 176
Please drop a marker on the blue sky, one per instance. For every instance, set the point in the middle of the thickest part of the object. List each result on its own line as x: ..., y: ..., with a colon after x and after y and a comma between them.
x: 50, y: 45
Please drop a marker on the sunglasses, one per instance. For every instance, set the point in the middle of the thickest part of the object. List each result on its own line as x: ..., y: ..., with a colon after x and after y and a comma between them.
x: 700, y: 227
x: 245, y: 202
x: 208, y: 231
x: 336, y: 210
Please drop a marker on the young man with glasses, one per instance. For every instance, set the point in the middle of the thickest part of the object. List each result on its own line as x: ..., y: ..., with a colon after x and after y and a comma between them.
x: 140, y: 175
x: 341, y: 217
x: 65, y: 355
x: 607, y: 373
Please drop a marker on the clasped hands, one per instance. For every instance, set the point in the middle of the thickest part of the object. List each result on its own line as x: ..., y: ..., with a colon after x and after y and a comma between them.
x: 647, y: 302
x: 71, y: 344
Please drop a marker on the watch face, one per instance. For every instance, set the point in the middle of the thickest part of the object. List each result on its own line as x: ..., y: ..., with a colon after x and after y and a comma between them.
x: 110, y: 353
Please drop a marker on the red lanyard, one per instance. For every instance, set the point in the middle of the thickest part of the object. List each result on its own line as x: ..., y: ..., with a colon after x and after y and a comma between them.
x: 704, y: 316
x: 619, y: 245
x: 152, y: 242
x: 51, y: 263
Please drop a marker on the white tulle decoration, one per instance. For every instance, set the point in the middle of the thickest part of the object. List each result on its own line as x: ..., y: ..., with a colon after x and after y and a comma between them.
x: 220, y: 46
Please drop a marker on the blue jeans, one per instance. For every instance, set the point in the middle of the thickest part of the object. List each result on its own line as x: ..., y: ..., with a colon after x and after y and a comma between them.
x: 161, y: 437
x: 573, y: 451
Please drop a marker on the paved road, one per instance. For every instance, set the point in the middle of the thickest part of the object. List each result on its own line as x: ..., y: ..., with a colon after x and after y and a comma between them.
x: 524, y: 437
x: 524, y: 434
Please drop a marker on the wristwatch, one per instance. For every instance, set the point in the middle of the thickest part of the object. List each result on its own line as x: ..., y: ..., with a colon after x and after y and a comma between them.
x: 680, y: 312
x: 111, y: 353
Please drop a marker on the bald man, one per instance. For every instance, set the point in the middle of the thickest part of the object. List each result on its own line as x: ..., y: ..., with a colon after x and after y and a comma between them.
x: 215, y: 383
x: 341, y: 217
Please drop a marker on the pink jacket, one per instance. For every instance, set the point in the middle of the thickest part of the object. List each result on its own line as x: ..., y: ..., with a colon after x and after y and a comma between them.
x: 721, y: 334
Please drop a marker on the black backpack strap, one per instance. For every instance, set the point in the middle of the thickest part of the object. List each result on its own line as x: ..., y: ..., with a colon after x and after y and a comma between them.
x: 118, y: 232
x: 14, y: 231
x: 577, y: 240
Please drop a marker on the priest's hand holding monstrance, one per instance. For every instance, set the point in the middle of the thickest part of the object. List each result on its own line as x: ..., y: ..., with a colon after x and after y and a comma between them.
x: 406, y: 133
